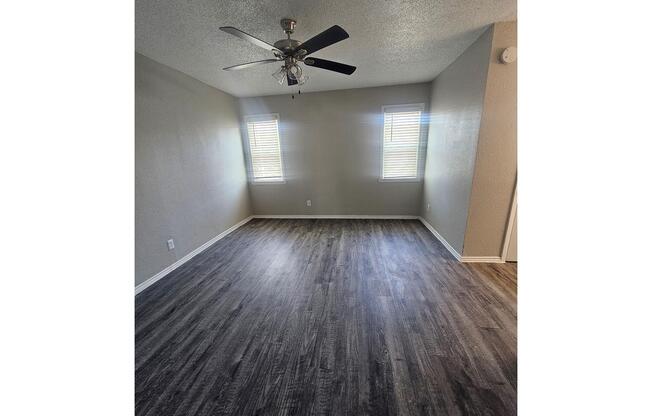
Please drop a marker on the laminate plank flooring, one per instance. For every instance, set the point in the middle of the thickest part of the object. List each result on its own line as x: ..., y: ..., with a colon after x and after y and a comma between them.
x: 328, y: 317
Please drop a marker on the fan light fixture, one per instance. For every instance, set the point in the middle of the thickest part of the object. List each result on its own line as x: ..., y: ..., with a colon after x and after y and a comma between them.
x: 292, y: 72
x: 280, y: 75
x: 292, y: 52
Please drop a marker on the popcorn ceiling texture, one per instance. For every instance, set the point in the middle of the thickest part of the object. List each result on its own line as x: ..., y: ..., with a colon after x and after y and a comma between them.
x: 392, y: 42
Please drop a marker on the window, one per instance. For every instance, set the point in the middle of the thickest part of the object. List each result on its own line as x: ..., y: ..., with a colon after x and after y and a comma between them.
x: 265, y: 148
x: 401, y: 141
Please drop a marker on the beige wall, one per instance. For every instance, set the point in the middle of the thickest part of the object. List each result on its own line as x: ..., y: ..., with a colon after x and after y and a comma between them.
x: 190, y: 173
x: 331, y: 143
x: 494, y: 179
x: 455, y: 118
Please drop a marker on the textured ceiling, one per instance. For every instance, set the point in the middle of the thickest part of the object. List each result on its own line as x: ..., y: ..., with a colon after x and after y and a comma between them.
x: 392, y: 41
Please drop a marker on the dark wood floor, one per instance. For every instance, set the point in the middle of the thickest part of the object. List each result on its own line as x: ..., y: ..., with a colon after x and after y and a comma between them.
x: 339, y: 317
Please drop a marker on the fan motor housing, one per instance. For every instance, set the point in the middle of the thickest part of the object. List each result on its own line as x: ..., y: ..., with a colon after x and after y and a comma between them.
x: 287, y: 45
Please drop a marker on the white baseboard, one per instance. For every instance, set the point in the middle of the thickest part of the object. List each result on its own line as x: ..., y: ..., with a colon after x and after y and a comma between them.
x: 441, y: 239
x: 458, y: 256
x: 358, y: 217
x: 482, y: 259
x: 158, y: 276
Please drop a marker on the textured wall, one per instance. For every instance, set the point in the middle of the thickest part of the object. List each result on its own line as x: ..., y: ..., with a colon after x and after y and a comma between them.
x: 495, y: 167
x: 190, y: 173
x: 332, y: 143
x: 455, y: 115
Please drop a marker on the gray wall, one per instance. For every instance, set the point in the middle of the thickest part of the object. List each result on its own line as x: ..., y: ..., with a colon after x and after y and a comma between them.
x: 455, y: 116
x: 332, y: 143
x: 190, y: 173
x: 494, y: 179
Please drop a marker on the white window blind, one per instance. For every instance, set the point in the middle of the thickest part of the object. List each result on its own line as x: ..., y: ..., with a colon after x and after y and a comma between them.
x: 401, y: 139
x: 265, y: 148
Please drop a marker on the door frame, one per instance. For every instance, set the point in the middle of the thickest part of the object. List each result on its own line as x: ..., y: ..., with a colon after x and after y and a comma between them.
x: 510, y: 226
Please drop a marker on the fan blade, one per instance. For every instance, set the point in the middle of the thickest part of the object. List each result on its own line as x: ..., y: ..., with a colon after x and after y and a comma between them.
x: 291, y: 81
x: 330, y: 65
x: 246, y: 36
x: 250, y: 64
x: 326, y: 38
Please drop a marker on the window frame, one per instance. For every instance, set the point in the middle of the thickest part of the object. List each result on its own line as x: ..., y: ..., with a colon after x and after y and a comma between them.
x: 250, y: 165
x: 398, y: 108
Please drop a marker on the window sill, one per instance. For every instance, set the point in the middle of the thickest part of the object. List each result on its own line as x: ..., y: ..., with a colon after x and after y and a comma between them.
x: 274, y: 182
x: 399, y: 180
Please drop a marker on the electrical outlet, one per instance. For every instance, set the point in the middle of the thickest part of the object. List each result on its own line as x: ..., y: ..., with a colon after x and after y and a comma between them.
x: 170, y: 244
x: 309, y: 203
x: 428, y: 208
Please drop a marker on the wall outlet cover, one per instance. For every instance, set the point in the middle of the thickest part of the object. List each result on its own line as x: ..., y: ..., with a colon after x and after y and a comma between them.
x: 309, y: 203
x: 170, y: 244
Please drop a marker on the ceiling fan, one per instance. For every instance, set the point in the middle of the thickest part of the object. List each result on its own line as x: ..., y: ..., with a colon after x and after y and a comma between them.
x: 292, y: 52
